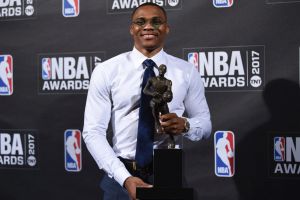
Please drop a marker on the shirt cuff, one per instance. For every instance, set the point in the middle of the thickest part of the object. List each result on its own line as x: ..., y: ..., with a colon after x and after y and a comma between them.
x: 194, y: 133
x: 121, y: 175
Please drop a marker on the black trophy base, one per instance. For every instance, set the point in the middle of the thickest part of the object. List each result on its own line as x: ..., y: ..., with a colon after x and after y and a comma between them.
x: 164, y: 193
x: 167, y: 172
x: 167, y: 168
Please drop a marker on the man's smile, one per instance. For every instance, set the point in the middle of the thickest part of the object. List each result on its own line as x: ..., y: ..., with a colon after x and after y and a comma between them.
x: 148, y: 36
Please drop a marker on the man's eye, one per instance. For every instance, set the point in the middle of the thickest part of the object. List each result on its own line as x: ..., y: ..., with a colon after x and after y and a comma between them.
x: 157, y: 22
x: 140, y: 22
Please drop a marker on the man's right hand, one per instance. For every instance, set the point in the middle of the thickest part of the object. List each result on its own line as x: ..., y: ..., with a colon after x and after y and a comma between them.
x: 131, y: 183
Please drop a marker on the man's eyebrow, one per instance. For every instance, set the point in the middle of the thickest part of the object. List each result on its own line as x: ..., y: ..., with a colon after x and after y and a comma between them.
x: 142, y: 17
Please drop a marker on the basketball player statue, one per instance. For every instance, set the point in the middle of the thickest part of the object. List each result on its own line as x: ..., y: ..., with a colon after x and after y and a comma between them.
x: 160, y: 89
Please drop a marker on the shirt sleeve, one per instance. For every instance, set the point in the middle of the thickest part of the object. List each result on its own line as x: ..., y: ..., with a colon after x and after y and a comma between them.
x: 197, y: 109
x: 96, y: 118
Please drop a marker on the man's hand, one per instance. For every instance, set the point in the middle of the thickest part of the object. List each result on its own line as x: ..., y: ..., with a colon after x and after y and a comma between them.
x: 131, y: 183
x: 172, y: 124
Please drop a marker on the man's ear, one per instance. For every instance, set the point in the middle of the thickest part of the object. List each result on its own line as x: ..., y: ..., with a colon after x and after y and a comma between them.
x: 130, y: 29
x: 167, y: 29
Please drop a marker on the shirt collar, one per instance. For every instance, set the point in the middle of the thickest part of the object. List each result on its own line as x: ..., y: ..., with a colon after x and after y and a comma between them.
x: 138, y: 58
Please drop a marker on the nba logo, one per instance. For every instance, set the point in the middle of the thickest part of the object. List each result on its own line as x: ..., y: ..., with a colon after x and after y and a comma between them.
x: 193, y: 58
x: 6, y: 75
x: 70, y: 8
x: 223, y: 3
x: 46, y: 68
x: 73, y: 150
x: 224, y: 153
x: 279, y: 149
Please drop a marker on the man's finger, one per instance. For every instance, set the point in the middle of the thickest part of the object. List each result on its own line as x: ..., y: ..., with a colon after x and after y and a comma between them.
x: 145, y: 186
x: 168, y: 116
x: 170, y: 122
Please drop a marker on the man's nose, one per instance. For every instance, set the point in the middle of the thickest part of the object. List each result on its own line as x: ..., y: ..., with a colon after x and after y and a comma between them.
x: 148, y: 25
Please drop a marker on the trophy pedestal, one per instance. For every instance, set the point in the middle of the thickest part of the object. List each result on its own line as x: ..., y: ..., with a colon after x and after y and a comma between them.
x: 167, y: 178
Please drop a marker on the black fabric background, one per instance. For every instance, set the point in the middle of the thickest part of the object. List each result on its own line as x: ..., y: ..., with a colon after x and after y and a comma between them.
x: 249, y: 114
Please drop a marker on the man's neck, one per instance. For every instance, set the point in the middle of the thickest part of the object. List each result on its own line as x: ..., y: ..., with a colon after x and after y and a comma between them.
x: 148, y: 52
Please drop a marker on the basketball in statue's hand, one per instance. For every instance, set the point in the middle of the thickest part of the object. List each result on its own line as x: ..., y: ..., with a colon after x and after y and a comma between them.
x: 167, y: 96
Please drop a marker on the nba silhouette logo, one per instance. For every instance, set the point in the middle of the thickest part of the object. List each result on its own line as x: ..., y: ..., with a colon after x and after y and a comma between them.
x: 279, y: 149
x: 224, y: 153
x: 222, y: 3
x: 73, y: 150
x: 71, y: 8
x: 46, y: 68
x: 193, y: 58
x: 6, y: 75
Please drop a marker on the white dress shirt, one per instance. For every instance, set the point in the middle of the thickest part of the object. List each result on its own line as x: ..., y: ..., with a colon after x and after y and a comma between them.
x: 114, y: 94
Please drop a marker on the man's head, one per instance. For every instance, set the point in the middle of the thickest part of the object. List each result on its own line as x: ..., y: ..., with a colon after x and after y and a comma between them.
x: 149, y: 28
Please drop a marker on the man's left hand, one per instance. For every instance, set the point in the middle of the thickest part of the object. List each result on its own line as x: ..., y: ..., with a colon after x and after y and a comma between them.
x: 172, y: 124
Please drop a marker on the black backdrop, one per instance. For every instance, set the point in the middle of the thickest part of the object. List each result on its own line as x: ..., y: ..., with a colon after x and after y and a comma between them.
x: 255, y: 114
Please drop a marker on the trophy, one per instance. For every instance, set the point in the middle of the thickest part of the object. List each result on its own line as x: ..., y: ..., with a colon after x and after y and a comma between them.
x: 159, y: 88
x: 167, y: 163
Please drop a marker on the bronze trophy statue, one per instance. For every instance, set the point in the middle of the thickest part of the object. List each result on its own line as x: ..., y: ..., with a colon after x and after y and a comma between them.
x: 167, y: 162
x: 160, y: 89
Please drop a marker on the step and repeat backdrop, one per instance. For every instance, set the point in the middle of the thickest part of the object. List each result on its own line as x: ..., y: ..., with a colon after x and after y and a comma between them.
x: 247, y: 53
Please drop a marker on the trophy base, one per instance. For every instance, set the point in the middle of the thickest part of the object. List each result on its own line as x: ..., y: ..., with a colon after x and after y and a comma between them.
x: 165, y: 193
x: 167, y: 168
x: 167, y: 178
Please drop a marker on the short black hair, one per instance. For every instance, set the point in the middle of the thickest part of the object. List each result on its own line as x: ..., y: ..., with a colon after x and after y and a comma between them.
x: 149, y: 4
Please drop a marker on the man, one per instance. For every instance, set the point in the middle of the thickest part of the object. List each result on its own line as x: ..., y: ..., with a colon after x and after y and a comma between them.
x: 114, y: 95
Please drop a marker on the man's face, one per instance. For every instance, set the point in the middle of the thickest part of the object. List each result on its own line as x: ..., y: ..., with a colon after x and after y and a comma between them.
x: 149, y: 28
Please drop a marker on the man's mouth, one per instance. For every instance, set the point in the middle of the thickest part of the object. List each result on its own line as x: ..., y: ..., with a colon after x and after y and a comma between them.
x: 148, y: 36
